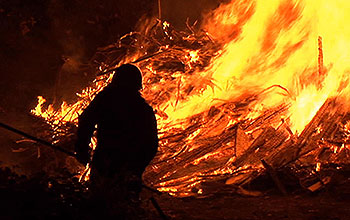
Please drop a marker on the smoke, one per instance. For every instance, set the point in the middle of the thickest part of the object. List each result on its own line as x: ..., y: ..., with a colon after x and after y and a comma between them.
x: 177, y: 12
x: 83, y: 26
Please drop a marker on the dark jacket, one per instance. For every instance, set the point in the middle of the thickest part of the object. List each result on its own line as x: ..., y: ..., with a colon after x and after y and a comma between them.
x: 126, y: 131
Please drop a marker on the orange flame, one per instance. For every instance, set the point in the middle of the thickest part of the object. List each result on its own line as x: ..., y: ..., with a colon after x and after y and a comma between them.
x: 264, y: 44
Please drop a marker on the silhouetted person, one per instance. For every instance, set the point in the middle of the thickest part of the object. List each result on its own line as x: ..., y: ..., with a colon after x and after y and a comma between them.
x: 126, y: 137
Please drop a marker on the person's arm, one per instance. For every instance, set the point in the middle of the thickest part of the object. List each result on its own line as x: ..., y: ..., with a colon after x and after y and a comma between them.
x: 154, y: 135
x: 86, y: 127
x: 150, y: 137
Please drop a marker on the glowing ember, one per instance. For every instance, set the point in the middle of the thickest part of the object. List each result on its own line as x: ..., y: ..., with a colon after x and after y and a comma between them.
x: 318, y: 167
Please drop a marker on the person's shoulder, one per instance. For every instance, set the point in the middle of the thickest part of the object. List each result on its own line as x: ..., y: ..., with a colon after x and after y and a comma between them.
x: 102, y: 96
x: 144, y: 103
x: 149, y: 108
x: 107, y: 91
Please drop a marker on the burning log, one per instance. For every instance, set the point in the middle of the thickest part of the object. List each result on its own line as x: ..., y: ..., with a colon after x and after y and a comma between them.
x: 319, y: 128
x: 268, y: 141
x: 278, y: 148
x: 274, y: 177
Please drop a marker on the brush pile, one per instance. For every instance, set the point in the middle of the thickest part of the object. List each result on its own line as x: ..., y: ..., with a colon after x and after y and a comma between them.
x: 223, y: 144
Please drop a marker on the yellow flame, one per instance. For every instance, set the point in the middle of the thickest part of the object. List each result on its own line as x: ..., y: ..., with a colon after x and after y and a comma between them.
x: 270, y: 42
x: 318, y: 166
x: 276, y: 43
x: 264, y: 43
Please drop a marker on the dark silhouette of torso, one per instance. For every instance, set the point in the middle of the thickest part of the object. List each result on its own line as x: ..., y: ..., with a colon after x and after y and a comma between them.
x: 126, y: 131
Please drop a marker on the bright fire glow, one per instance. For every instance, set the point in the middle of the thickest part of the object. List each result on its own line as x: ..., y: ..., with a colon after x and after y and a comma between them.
x: 263, y: 44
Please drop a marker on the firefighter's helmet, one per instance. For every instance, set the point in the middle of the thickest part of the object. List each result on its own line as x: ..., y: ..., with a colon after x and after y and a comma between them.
x: 128, y: 76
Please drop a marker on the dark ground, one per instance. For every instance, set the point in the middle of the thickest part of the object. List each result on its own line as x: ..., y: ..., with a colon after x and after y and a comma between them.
x: 42, y: 197
x: 45, y: 49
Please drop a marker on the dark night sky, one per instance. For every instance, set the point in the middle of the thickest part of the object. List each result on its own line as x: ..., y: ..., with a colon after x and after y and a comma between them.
x: 38, y: 35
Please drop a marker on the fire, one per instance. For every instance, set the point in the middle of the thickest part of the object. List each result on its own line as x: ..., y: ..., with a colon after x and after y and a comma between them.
x: 254, y: 56
x: 65, y: 114
x: 278, y: 45
x: 318, y: 167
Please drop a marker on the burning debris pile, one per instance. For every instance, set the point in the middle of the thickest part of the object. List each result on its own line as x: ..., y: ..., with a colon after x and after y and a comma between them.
x: 231, y: 100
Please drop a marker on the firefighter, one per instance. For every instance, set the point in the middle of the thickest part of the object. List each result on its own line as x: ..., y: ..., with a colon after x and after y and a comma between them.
x: 126, y: 131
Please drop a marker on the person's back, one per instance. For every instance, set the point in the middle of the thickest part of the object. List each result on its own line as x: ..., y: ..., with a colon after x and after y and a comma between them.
x: 126, y: 134
x: 126, y: 131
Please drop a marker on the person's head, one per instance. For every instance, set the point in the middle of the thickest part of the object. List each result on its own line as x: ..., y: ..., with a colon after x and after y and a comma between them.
x: 128, y: 77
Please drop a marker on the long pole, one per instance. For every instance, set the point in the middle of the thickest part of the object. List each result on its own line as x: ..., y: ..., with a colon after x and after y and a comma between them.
x: 159, y: 10
x: 46, y: 143
x: 38, y: 140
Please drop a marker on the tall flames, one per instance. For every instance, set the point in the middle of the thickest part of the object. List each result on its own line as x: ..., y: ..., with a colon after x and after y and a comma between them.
x: 278, y: 45
x: 252, y: 58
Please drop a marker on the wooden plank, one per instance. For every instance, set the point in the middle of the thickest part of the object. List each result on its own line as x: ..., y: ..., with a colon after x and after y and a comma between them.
x: 271, y: 171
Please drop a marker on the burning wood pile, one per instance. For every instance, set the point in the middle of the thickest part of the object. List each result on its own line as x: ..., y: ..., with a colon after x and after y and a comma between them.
x: 231, y: 101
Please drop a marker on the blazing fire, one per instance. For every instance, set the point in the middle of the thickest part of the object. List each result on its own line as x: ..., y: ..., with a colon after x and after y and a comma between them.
x: 260, y: 69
